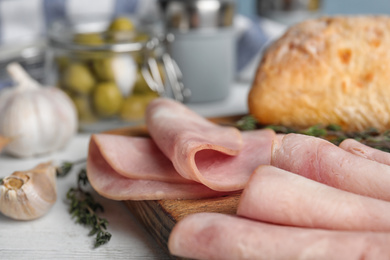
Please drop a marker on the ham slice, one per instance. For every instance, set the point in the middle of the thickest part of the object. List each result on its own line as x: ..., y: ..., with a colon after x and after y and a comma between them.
x: 320, y: 160
x: 135, y: 168
x: 219, y: 157
x: 229, y: 173
x: 277, y: 196
x: 108, y: 183
x: 136, y: 158
x: 219, y: 236
x: 139, y: 158
x: 359, y: 149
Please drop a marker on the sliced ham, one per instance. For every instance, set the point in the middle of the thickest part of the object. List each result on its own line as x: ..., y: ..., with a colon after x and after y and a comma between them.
x: 320, y: 160
x: 108, y: 183
x: 136, y: 158
x: 219, y: 236
x: 223, y: 172
x: 277, y: 196
x: 140, y: 158
x: 362, y: 150
x: 178, y: 131
x: 219, y: 157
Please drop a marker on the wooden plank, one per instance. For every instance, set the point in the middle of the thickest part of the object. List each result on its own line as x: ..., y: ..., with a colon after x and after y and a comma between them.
x: 159, y: 216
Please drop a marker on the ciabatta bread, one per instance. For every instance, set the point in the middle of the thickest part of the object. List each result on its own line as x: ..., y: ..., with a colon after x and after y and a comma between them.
x: 332, y: 70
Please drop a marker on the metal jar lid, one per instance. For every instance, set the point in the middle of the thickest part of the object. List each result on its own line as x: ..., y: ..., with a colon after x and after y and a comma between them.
x: 61, y: 35
x: 198, y: 14
x: 265, y: 6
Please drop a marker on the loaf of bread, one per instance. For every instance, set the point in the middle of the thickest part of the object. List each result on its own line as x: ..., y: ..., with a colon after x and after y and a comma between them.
x: 332, y: 70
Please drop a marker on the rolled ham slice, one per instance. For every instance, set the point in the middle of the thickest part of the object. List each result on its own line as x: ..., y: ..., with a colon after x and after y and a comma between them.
x: 219, y: 236
x: 219, y: 157
x: 222, y: 172
x: 322, y: 161
x: 108, y: 183
x: 362, y: 150
x: 277, y: 196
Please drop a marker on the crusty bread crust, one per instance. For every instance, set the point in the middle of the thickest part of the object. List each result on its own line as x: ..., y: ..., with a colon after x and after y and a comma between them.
x: 332, y: 70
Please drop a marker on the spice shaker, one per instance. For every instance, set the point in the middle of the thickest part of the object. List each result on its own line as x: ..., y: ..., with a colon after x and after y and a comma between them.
x: 289, y: 12
x: 203, y: 45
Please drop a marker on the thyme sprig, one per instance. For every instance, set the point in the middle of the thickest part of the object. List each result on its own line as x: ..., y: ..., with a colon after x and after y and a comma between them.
x: 67, y: 166
x: 82, y: 205
x: 247, y: 122
x: 84, y: 209
x: 333, y: 133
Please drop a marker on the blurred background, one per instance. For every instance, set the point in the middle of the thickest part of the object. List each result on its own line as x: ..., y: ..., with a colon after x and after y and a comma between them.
x: 195, y: 51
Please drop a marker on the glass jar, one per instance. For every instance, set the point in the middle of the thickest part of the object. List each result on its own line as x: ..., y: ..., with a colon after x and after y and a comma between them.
x: 111, y: 69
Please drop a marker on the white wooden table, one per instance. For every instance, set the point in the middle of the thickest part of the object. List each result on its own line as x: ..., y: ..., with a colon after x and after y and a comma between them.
x: 57, y: 236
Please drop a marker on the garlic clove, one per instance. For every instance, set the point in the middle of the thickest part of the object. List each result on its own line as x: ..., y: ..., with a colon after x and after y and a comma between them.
x: 27, y: 195
x: 19, y: 75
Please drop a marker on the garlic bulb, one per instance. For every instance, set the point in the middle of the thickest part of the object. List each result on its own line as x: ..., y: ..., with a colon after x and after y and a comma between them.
x: 3, y: 142
x: 37, y: 119
x: 27, y: 195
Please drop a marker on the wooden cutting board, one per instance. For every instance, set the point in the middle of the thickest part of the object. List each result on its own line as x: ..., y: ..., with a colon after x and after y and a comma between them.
x: 159, y: 216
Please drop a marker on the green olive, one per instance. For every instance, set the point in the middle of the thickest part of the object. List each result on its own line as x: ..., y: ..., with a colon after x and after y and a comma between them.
x: 121, y: 29
x: 88, y: 39
x: 62, y: 62
x: 107, y: 99
x: 141, y: 37
x: 138, y: 57
x: 149, y: 97
x: 84, y: 109
x: 78, y: 78
x: 67, y: 91
x: 121, y: 24
x: 103, y: 69
x: 140, y: 85
x: 134, y: 107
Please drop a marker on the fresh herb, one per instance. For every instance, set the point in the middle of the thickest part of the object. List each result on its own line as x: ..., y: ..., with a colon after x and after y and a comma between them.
x: 247, y: 122
x: 66, y: 167
x: 316, y: 130
x: 281, y: 129
x: 334, y: 127
x: 333, y: 133
x: 84, y: 208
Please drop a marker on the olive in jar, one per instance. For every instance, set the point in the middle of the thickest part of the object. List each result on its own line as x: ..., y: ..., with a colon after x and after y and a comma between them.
x: 78, y: 78
x: 107, y: 99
